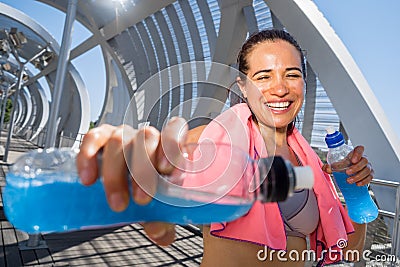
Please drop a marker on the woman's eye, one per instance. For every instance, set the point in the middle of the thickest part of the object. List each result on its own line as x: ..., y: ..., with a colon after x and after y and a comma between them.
x: 293, y: 75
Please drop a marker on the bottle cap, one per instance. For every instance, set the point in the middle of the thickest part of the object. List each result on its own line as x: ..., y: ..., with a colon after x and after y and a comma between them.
x: 304, y: 177
x: 333, y: 138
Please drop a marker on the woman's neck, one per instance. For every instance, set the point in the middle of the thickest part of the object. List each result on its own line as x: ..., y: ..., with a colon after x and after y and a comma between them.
x: 275, y: 139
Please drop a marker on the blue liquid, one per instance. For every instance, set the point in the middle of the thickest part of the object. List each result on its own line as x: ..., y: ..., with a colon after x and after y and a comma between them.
x: 361, y: 207
x: 64, y: 206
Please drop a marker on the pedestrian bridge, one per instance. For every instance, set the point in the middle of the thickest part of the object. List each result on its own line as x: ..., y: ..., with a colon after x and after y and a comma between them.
x: 161, y: 58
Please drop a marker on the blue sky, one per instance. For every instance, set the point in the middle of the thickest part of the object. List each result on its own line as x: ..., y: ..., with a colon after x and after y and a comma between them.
x: 369, y: 29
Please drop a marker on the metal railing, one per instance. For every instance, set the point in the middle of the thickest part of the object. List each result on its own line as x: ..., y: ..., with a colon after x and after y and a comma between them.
x: 37, y: 136
x: 394, y: 215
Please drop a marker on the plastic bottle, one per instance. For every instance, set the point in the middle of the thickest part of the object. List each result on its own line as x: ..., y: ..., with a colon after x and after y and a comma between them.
x: 361, y: 207
x: 43, y: 194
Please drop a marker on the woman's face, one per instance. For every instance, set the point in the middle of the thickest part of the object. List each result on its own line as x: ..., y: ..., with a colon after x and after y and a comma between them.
x: 275, y: 84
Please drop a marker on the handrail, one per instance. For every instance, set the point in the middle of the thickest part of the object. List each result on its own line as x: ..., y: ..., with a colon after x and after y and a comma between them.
x: 385, y: 182
x: 396, y: 223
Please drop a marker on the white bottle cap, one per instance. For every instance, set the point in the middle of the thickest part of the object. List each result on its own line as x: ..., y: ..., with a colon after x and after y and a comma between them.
x: 330, y: 130
x: 304, y: 177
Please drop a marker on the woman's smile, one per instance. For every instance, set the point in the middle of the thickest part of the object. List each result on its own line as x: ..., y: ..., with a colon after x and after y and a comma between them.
x: 279, y: 107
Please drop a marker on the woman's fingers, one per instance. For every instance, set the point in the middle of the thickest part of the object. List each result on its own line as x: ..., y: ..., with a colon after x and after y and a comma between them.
x: 161, y: 233
x: 173, y: 137
x: 360, y: 171
x: 356, y: 155
x: 154, y: 152
x: 327, y: 168
x: 124, y: 150
x: 141, y: 167
x: 362, y: 177
x: 114, y: 170
x: 86, y: 161
x: 358, y: 166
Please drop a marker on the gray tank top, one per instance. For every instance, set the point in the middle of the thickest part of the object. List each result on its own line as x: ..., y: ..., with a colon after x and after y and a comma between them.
x: 300, y: 212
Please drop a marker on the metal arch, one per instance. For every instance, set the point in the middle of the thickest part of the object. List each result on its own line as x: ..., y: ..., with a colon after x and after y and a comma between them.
x: 103, y: 35
x: 159, y: 111
x: 209, y: 25
x: 139, y: 12
x: 193, y: 30
x: 156, y: 40
x: 171, y: 53
x: 190, y: 32
x: 183, y: 51
x: 142, y: 10
x: 117, y: 81
x: 82, y: 101
x: 19, y: 111
x: 310, y: 103
x: 20, y: 106
x: 251, y: 20
x: 27, y: 111
x: 232, y: 33
x: 139, y: 59
x: 27, y: 22
x: 148, y: 48
x: 115, y: 73
x: 42, y: 105
x: 30, y: 24
x: 275, y: 21
x: 140, y: 66
x: 167, y: 38
x: 29, y: 92
x: 36, y: 29
x: 152, y: 97
x: 42, y: 112
x: 113, y: 112
x: 117, y: 25
x: 119, y: 96
x: 96, y: 39
x: 200, y: 70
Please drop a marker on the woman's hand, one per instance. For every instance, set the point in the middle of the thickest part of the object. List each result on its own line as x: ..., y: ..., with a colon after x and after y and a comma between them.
x: 142, y: 153
x: 360, y: 172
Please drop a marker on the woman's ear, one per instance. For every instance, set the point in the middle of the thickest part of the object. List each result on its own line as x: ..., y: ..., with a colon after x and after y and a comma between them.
x: 242, y: 86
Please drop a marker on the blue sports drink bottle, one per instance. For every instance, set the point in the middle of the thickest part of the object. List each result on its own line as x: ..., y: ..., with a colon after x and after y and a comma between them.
x: 43, y: 192
x: 360, y: 206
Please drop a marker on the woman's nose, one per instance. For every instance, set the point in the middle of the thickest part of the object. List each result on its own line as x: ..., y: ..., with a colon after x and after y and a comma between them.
x: 277, y: 87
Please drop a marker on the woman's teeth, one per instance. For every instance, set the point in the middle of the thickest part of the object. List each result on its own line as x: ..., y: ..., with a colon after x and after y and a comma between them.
x: 278, y: 105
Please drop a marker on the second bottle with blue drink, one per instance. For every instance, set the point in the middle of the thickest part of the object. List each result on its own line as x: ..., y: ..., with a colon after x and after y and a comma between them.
x: 361, y: 207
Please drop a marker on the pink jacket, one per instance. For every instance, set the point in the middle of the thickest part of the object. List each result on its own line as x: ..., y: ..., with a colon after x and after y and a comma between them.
x: 263, y: 224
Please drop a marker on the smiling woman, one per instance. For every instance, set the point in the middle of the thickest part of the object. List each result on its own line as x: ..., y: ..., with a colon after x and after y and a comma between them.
x: 277, y: 77
x: 272, y: 82
x: 278, y: 84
